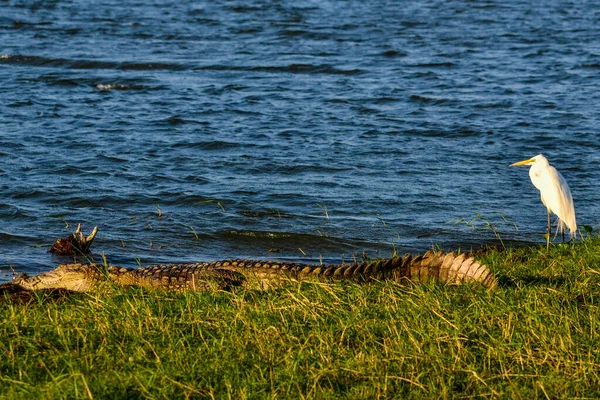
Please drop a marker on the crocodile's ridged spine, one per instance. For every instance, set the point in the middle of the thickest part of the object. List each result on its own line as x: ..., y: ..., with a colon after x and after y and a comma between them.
x: 431, y: 267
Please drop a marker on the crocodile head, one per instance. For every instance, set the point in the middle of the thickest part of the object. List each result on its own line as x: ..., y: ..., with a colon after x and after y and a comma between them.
x: 76, y: 277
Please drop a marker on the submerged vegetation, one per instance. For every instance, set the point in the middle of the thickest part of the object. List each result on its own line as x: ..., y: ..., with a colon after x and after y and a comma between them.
x: 536, y: 335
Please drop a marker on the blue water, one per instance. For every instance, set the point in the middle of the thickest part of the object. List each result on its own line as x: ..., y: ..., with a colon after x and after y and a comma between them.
x: 317, y: 130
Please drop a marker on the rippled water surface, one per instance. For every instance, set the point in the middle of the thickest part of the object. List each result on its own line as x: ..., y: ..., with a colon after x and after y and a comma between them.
x: 288, y: 129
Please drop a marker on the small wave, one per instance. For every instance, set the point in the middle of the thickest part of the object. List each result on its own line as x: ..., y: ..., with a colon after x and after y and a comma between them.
x: 425, y: 99
x: 394, y: 53
x: 265, y: 213
x: 24, y: 103
x: 247, y: 30
x: 10, y: 212
x: 111, y: 158
x: 69, y: 170
x: 13, y: 238
x: 458, y: 132
x: 261, y: 234
x: 337, y: 101
x: 56, y: 80
x: 311, y: 35
x: 96, y: 201
x: 296, y: 169
x: 502, y: 104
x: 315, y: 69
x: 175, y: 120
x: 294, y: 32
x: 291, y: 68
x: 99, y: 83
x: 210, y: 145
x: 195, y: 179
x: 29, y: 194
x: 522, y: 124
x: 18, y: 24
x: 215, y: 91
x: 37, y: 61
x: 149, y: 66
x: 18, y: 59
x: 385, y: 100
x: 433, y: 65
x: 112, y: 86
x: 244, y: 9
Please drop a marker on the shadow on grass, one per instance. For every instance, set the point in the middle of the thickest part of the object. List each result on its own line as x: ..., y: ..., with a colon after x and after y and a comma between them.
x: 531, y: 280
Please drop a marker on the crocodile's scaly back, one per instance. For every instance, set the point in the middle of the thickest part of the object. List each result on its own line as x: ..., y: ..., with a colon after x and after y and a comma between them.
x: 177, y: 277
x: 431, y: 267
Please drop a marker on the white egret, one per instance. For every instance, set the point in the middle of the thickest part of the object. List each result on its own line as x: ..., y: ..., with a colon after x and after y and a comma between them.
x: 555, y: 193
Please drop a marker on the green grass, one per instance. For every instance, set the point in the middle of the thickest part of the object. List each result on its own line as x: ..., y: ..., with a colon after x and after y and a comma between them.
x: 536, y: 336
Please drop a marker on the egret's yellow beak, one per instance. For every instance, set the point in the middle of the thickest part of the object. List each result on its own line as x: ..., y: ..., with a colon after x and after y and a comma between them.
x: 524, y: 162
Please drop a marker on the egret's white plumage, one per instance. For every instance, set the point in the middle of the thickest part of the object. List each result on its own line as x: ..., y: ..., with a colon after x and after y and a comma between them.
x: 554, y: 191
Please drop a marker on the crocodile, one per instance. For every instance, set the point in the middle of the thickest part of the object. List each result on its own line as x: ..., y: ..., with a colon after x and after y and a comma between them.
x: 445, y: 268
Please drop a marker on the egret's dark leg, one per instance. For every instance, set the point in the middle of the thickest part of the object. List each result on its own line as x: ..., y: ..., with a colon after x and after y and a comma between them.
x: 549, y: 232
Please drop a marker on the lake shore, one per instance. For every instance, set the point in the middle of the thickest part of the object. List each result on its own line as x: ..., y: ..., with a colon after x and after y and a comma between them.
x: 535, y: 335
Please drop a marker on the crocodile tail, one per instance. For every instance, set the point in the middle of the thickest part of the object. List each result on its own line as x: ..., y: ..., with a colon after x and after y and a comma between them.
x: 450, y: 269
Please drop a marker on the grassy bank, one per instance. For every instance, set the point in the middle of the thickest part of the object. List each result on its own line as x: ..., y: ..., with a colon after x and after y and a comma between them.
x: 536, y: 336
